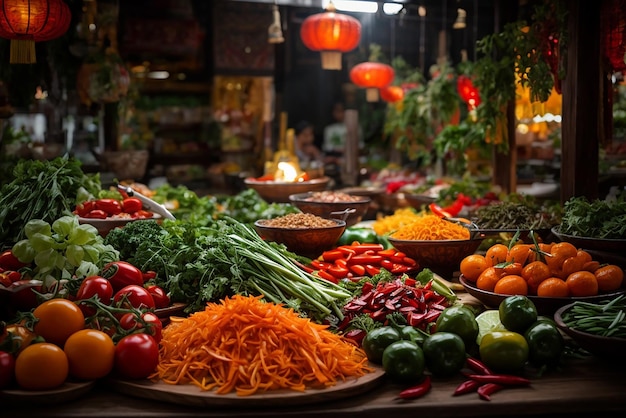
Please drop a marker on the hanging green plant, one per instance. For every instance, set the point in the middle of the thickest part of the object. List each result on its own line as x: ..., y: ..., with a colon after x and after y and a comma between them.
x: 530, y: 53
x: 426, y: 108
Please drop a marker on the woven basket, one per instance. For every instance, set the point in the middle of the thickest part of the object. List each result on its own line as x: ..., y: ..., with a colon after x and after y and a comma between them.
x: 126, y: 165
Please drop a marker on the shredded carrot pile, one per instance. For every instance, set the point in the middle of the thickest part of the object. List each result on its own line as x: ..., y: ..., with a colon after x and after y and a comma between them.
x: 386, y: 224
x: 248, y: 345
x: 431, y: 227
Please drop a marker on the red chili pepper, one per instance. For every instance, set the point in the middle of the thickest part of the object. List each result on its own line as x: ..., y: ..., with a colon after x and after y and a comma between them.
x: 332, y: 255
x: 327, y: 276
x: 320, y: 265
x: 371, y: 270
x: 388, y: 252
x: 386, y: 264
x: 361, y: 248
x: 502, y: 379
x: 342, y: 262
x: 358, y: 270
x: 485, y: 391
x: 477, y: 366
x: 409, y: 262
x: 467, y: 387
x: 418, y: 390
x: 82, y: 209
x: 374, y: 259
x: 438, y: 210
x: 338, y: 272
x: 398, y: 268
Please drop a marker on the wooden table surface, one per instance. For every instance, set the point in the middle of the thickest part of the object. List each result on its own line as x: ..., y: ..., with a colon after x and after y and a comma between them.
x: 582, y: 387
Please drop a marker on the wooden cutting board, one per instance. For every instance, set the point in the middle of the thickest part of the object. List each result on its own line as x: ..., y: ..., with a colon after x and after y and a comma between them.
x: 191, y: 395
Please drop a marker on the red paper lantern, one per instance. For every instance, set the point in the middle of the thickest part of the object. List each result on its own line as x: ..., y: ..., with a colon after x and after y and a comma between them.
x: 468, y: 92
x: 332, y: 34
x: 25, y: 22
x: 372, y: 76
x: 392, y: 94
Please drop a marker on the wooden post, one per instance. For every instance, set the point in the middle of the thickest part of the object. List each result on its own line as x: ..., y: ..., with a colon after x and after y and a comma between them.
x: 582, y: 104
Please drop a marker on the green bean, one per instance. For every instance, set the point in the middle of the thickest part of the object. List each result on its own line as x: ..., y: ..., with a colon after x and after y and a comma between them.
x: 607, y: 318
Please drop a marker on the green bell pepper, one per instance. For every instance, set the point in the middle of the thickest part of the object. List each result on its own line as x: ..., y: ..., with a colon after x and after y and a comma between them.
x: 359, y: 234
x: 445, y: 353
x: 403, y: 361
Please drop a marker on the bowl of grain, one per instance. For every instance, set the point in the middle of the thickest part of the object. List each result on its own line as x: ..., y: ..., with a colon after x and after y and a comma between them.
x: 304, y: 234
x: 332, y: 204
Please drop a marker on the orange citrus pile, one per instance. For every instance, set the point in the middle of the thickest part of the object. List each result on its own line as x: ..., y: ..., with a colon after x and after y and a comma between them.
x: 551, y: 270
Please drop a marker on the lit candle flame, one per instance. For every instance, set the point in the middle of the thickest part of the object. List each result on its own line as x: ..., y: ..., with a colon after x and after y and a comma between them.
x: 286, y: 172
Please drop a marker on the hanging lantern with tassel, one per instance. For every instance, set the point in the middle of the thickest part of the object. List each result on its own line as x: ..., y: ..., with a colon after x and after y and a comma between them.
x: 372, y: 76
x: 332, y: 34
x: 25, y: 22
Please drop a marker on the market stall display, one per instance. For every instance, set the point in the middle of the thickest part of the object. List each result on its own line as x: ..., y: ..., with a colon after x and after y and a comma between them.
x: 348, y: 289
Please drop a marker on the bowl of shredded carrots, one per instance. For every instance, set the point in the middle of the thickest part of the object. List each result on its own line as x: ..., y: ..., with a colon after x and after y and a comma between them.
x: 436, y: 243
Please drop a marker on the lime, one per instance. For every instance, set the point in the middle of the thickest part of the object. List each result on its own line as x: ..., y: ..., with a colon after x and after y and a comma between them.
x: 517, y: 313
x: 488, y: 321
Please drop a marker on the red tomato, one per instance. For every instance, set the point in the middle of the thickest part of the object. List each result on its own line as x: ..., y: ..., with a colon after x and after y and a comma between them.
x: 148, y: 324
x: 143, y: 214
x: 7, y: 369
x: 110, y: 206
x: 8, y: 261
x: 94, y: 285
x: 131, y: 205
x: 82, y: 209
x: 135, y: 296
x: 136, y: 356
x: 161, y: 299
x: 96, y: 214
x: 121, y: 274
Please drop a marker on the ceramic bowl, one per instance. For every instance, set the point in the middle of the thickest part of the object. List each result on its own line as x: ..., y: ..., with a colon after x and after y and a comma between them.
x: 104, y: 226
x: 545, y: 305
x: 598, y: 244
x: 279, y: 191
x: 307, y: 242
x: 604, y: 347
x: 441, y: 256
x: 350, y: 211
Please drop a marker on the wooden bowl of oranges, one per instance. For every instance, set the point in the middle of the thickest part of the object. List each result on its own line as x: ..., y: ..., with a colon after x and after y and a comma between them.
x: 551, y: 275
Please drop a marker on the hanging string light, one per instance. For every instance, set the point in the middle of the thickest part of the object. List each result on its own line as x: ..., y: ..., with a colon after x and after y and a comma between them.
x: 25, y: 22
x: 332, y: 34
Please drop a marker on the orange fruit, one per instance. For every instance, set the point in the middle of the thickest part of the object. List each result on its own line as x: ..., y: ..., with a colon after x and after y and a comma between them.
x: 591, y: 266
x: 511, y: 285
x: 609, y: 277
x: 560, y: 252
x: 488, y: 278
x: 472, y: 266
x: 543, y: 247
x: 518, y: 253
x: 535, y: 273
x: 553, y: 287
x: 496, y: 254
x: 582, y: 283
x: 513, y: 268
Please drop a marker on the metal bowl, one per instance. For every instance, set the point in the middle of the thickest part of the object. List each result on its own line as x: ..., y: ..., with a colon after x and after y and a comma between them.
x: 350, y: 211
x: 307, y: 242
x: 279, y: 191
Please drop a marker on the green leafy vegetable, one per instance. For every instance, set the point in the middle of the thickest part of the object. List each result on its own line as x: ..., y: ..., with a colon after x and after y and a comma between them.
x: 595, y: 219
x: 44, y: 190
